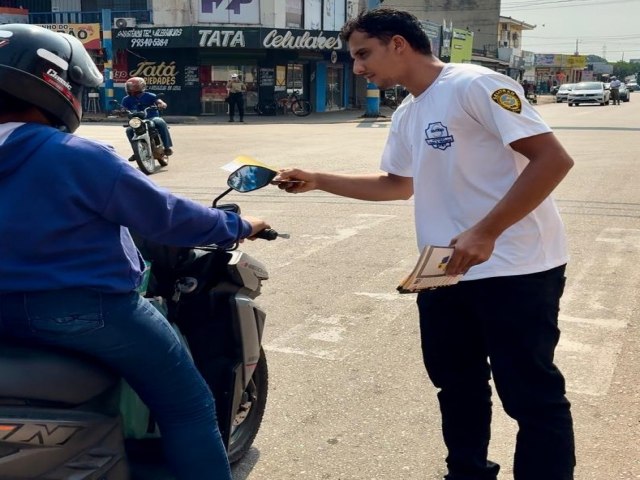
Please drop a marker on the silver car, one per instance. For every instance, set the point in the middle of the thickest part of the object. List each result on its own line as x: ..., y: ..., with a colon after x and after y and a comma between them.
x: 588, y: 92
x: 563, y: 92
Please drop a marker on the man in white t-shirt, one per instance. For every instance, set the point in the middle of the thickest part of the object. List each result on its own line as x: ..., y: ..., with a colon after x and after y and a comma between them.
x: 481, y: 164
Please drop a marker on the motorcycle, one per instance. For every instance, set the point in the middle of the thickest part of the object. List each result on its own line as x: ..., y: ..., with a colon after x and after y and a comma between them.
x: 147, y: 143
x: 63, y: 416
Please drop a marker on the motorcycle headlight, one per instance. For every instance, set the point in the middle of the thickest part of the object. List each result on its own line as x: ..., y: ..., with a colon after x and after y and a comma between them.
x: 135, y: 122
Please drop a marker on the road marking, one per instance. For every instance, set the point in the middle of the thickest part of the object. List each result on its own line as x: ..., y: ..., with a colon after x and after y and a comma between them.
x: 335, y: 337
x: 384, y: 124
x: 316, y: 337
x: 358, y: 224
x: 593, y: 335
x: 598, y: 322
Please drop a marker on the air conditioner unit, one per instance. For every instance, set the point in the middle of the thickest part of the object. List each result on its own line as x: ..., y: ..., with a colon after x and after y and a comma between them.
x: 124, y: 22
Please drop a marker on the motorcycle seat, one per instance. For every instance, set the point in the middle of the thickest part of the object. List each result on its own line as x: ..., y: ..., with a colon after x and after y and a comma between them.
x: 49, y: 375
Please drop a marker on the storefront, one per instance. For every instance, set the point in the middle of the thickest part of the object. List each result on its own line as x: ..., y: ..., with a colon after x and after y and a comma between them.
x: 191, y: 65
x: 555, y: 69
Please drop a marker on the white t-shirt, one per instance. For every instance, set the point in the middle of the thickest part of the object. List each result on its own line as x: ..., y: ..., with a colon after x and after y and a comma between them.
x: 454, y: 141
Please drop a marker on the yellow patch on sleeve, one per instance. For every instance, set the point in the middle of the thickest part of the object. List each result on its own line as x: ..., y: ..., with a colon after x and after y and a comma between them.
x: 507, y: 99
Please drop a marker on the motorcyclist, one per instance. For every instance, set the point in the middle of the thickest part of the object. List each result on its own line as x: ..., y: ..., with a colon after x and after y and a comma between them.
x: 137, y: 100
x: 68, y: 266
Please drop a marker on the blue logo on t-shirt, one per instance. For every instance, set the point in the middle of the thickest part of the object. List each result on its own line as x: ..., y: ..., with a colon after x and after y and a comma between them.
x: 438, y: 136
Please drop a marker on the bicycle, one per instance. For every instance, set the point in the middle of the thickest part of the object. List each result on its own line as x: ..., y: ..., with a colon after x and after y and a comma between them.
x: 288, y: 103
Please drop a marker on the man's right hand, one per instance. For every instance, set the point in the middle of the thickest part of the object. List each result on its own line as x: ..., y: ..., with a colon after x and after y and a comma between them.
x: 293, y: 180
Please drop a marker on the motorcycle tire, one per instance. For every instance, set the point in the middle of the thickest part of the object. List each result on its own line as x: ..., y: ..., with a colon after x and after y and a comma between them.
x: 249, y: 416
x: 301, y: 108
x: 144, y: 159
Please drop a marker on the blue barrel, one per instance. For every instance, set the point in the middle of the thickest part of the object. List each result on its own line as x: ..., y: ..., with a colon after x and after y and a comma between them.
x: 373, y: 101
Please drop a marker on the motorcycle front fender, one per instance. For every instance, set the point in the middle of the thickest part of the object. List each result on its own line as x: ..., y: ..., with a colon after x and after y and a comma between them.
x: 250, y: 323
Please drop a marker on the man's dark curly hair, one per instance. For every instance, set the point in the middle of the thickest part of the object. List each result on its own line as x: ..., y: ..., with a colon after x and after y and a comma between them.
x: 383, y: 23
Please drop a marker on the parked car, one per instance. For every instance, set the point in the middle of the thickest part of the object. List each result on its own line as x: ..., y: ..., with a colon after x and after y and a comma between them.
x: 563, y: 92
x: 625, y: 93
x: 588, y: 92
x: 632, y: 86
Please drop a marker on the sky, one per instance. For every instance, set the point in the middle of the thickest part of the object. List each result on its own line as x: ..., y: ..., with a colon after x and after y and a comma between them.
x: 607, y: 28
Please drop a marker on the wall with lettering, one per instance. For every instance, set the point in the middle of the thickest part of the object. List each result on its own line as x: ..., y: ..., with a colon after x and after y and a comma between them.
x: 87, y: 33
x: 171, y: 72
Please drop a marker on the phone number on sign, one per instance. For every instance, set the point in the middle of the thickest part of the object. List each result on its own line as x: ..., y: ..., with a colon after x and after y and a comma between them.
x: 149, y: 42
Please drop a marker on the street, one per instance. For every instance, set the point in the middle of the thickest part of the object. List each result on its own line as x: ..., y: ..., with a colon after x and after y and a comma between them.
x: 349, y: 398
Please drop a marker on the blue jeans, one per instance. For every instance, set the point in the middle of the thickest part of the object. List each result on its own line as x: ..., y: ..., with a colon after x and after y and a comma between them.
x: 126, y: 333
x: 511, y: 322
x: 163, y: 131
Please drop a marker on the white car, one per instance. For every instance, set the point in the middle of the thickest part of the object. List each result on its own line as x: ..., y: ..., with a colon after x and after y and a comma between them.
x: 588, y: 92
x: 563, y: 92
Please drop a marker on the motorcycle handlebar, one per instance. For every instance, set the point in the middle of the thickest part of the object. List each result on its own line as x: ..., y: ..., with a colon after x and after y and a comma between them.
x: 270, y: 234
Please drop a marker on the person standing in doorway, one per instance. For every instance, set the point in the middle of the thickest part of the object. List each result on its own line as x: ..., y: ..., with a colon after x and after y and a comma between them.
x: 236, y: 89
x: 481, y: 164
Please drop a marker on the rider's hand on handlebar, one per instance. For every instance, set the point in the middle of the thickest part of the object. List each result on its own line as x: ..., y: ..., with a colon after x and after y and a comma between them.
x: 257, y: 225
x: 293, y: 180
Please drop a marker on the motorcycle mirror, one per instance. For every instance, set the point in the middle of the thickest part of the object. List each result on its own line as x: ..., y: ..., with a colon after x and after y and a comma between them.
x: 249, y: 178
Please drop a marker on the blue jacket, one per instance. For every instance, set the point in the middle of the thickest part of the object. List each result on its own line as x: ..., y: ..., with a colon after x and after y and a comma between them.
x: 66, y: 206
x: 137, y: 103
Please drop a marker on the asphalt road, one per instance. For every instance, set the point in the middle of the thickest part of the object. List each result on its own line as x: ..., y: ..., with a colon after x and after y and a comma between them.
x: 349, y: 398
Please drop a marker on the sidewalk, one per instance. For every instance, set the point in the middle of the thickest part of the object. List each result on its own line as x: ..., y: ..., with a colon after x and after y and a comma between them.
x: 338, y: 116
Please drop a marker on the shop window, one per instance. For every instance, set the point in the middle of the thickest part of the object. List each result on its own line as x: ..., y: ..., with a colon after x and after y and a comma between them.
x: 295, y: 78
x: 214, y: 78
x: 293, y: 14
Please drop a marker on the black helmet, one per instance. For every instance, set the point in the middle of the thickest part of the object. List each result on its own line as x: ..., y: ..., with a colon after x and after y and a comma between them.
x: 46, y: 69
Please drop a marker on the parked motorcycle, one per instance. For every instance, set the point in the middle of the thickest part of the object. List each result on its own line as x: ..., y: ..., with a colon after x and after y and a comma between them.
x: 147, y: 142
x: 63, y: 416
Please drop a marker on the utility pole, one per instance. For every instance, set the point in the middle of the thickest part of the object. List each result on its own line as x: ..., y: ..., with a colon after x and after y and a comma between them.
x: 576, y: 47
x: 373, y: 93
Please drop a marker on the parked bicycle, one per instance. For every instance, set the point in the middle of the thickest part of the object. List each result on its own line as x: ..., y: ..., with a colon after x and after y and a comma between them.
x: 284, y: 104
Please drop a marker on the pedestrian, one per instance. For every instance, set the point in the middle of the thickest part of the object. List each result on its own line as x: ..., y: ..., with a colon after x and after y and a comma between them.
x: 236, y: 89
x: 68, y: 266
x: 481, y: 165
x: 615, y: 90
x: 137, y: 100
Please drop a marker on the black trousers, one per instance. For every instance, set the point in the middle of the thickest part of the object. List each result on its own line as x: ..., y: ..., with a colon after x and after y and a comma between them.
x: 615, y: 96
x: 508, y: 327
x: 236, y: 99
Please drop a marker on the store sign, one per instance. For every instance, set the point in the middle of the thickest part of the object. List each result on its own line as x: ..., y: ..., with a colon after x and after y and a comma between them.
x: 87, y: 33
x: 152, y: 37
x: 305, y: 41
x: 229, y: 37
x: 221, y: 38
x: 158, y: 75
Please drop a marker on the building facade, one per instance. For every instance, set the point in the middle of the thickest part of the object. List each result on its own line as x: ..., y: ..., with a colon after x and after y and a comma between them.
x: 187, y: 50
x: 191, y: 65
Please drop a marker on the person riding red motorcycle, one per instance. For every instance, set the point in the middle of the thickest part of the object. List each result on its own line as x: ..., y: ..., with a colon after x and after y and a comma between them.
x: 137, y: 100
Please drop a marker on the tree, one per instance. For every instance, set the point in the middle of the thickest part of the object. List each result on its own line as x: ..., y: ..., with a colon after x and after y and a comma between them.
x: 625, y: 69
